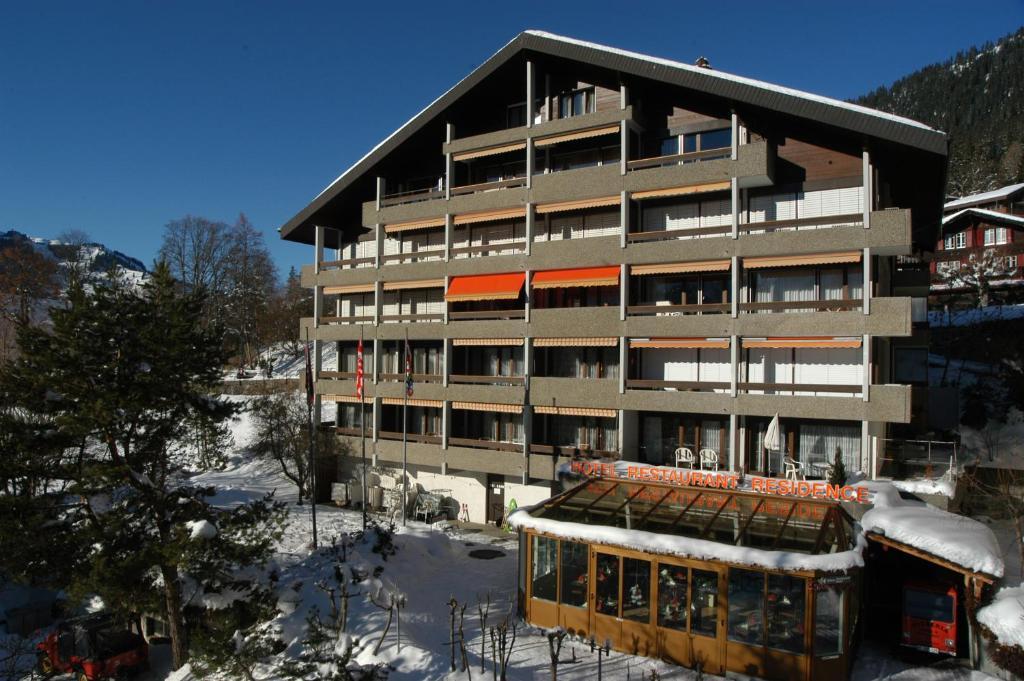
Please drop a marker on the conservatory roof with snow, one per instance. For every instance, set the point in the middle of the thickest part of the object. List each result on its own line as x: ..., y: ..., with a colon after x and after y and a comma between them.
x: 728, y: 525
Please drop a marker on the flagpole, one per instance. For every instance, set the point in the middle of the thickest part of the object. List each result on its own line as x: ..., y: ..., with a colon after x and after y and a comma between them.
x: 362, y: 425
x: 310, y: 401
x: 405, y: 428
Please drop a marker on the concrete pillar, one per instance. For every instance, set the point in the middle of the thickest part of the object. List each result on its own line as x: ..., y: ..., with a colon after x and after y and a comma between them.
x: 449, y: 135
x: 623, y: 218
x: 378, y: 236
x: 735, y: 135
x: 319, y: 237
x: 868, y: 188
x: 530, y: 97
x: 867, y: 284
x: 865, y: 449
x: 735, y: 202
x: 449, y: 232
x: 446, y: 423
x: 623, y: 363
x: 734, y: 444
x: 380, y: 191
x: 530, y: 160
x: 447, y: 360
x: 866, y: 363
x: 376, y: 421
x: 527, y: 439
x: 375, y: 368
x: 530, y: 222
x: 623, y: 146
x: 623, y: 96
x: 547, y: 97
x: 378, y: 301
x: 529, y: 296
x: 734, y: 364
x: 447, y: 281
x: 623, y: 291
x: 734, y: 297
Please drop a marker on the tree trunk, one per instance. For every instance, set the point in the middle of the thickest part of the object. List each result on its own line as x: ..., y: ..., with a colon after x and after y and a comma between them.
x: 175, y: 620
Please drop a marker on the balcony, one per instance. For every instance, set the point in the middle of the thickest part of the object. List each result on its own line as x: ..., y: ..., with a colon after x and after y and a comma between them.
x: 680, y: 364
x: 423, y: 422
x: 575, y: 432
x: 480, y: 425
x: 678, y: 289
x: 498, y: 237
x: 413, y: 195
x: 819, y: 367
x: 413, y: 301
x: 499, y: 363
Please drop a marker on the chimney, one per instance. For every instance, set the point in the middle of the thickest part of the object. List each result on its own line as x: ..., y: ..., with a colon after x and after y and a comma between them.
x: 702, y: 62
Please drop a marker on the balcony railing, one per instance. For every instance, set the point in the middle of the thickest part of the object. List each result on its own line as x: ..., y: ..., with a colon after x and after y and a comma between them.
x: 337, y: 375
x: 790, y: 388
x: 677, y: 310
x: 417, y: 378
x: 488, y: 249
x: 422, y: 317
x: 689, y: 386
x: 676, y: 159
x: 487, y: 314
x: 837, y: 305
x: 356, y: 319
x: 573, y: 451
x: 488, y: 186
x: 411, y: 437
x: 485, y: 444
x: 412, y: 196
x: 766, y: 227
x: 415, y: 256
x: 487, y: 380
x: 347, y: 263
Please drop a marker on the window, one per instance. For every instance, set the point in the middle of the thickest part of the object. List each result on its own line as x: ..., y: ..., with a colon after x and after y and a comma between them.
x: 545, y: 570
x: 786, y: 613
x: 995, y: 236
x: 946, y: 266
x: 1011, y: 262
x: 704, y: 607
x: 828, y: 622
x: 707, y: 140
x: 515, y: 117
x: 574, y: 574
x: 577, y: 103
x: 746, y: 606
x: 607, y: 590
x: 672, y: 585
x: 669, y: 146
x: 954, y: 241
x: 636, y: 590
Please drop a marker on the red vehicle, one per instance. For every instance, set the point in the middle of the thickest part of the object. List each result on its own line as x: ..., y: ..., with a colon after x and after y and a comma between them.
x: 929, y: 617
x: 93, y: 647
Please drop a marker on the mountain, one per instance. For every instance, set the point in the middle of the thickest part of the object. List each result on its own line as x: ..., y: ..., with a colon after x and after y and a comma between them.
x: 977, y: 97
x: 97, y: 260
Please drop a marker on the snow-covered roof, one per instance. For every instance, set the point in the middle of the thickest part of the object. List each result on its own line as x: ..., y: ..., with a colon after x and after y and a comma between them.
x: 985, y: 197
x: 955, y: 538
x: 1004, y: 616
x: 986, y: 214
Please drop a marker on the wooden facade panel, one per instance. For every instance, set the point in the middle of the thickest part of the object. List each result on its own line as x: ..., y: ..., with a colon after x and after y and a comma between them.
x: 820, y: 163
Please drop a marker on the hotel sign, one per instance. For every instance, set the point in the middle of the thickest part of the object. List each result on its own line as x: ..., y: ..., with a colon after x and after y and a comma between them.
x: 686, y: 477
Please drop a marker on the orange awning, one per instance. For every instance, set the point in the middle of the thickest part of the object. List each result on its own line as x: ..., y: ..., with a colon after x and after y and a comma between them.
x: 413, y: 224
x: 484, y: 342
x: 415, y: 283
x: 488, y: 215
x: 579, y: 135
x: 485, y: 287
x: 575, y: 342
x: 580, y: 204
x: 487, y: 406
x: 808, y: 259
x: 576, y: 411
x: 802, y: 342
x: 680, y: 343
x: 680, y: 191
x: 399, y: 401
x: 682, y: 267
x: 353, y: 288
x: 345, y: 399
x: 489, y: 151
x: 584, y: 276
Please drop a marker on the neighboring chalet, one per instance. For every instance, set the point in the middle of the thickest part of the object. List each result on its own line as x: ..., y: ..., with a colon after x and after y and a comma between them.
x: 596, y: 253
x: 973, y: 225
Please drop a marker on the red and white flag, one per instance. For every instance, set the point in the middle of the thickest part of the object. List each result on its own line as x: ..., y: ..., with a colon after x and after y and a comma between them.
x: 359, y: 370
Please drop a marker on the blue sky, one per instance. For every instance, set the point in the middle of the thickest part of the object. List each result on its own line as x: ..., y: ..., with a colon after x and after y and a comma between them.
x: 116, y: 117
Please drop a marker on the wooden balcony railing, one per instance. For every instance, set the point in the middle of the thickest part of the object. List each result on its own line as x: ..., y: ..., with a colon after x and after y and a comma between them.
x: 838, y: 305
x: 674, y: 159
x: 487, y: 314
x: 412, y: 196
x: 800, y: 388
x: 515, y: 246
x: 573, y: 451
x: 424, y: 317
x: 485, y: 444
x: 337, y: 375
x: 691, y: 386
x: 674, y: 310
x: 411, y: 437
x: 358, y: 319
x: 350, y: 262
x: 417, y: 378
x: 351, y: 432
x: 487, y: 380
x: 488, y: 186
x: 767, y: 226
x: 435, y: 254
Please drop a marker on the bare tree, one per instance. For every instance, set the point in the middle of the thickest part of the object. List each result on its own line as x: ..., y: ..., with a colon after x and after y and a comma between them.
x: 250, y: 281
x: 27, y: 279
x: 196, y: 250
x: 978, y: 275
x: 73, y: 251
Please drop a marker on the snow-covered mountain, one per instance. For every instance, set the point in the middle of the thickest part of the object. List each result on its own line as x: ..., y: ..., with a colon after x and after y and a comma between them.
x: 97, y: 260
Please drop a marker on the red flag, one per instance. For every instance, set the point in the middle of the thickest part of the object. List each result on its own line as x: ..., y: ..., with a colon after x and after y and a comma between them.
x: 359, y: 370
x: 309, y: 379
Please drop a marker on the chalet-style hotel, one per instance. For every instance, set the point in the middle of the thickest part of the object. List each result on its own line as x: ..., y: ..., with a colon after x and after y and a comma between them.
x: 599, y: 255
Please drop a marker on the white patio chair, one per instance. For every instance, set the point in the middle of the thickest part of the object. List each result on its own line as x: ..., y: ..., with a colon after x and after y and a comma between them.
x: 684, y: 457
x: 794, y: 470
x: 708, y: 459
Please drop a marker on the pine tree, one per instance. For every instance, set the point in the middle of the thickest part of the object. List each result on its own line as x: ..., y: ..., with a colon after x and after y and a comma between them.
x: 837, y: 476
x: 123, y: 371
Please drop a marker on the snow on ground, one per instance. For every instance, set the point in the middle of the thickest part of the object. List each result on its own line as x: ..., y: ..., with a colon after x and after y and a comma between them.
x: 286, y: 362
x: 946, y: 488
x: 956, y: 538
x: 1005, y: 615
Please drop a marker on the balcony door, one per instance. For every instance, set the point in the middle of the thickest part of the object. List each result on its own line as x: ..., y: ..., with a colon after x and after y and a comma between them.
x: 495, y: 499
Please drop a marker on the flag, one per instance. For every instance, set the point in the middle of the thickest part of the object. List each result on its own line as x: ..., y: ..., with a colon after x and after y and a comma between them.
x: 408, y: 369
x: 309, y: 378
x: 359, y: 370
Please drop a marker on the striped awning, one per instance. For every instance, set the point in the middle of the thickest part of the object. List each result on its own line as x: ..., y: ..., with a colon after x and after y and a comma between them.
x: 580, y: 204
x: 578, y: 135
x: 584, y: 276
x: 485, y: 287
x: 681, y: 191
x: 681, y: 267
x: 413, y: 402
x: 575, y: 342
x: 413, y: 224
x: 576, y: 411
x: 413, y: 283
x: 487, y: 406
x: 802, y: 342
x: 805, y: 259
x: 478, y: 342
x: 353, y: 288
x: 489, y: 151
x: 346, y: 399
x: 679, y: 343
x: 488, y: 215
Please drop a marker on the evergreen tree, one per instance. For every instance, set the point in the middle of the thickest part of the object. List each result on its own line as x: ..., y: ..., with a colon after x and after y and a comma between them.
x: 122, y: 372
x: 837, y: 476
